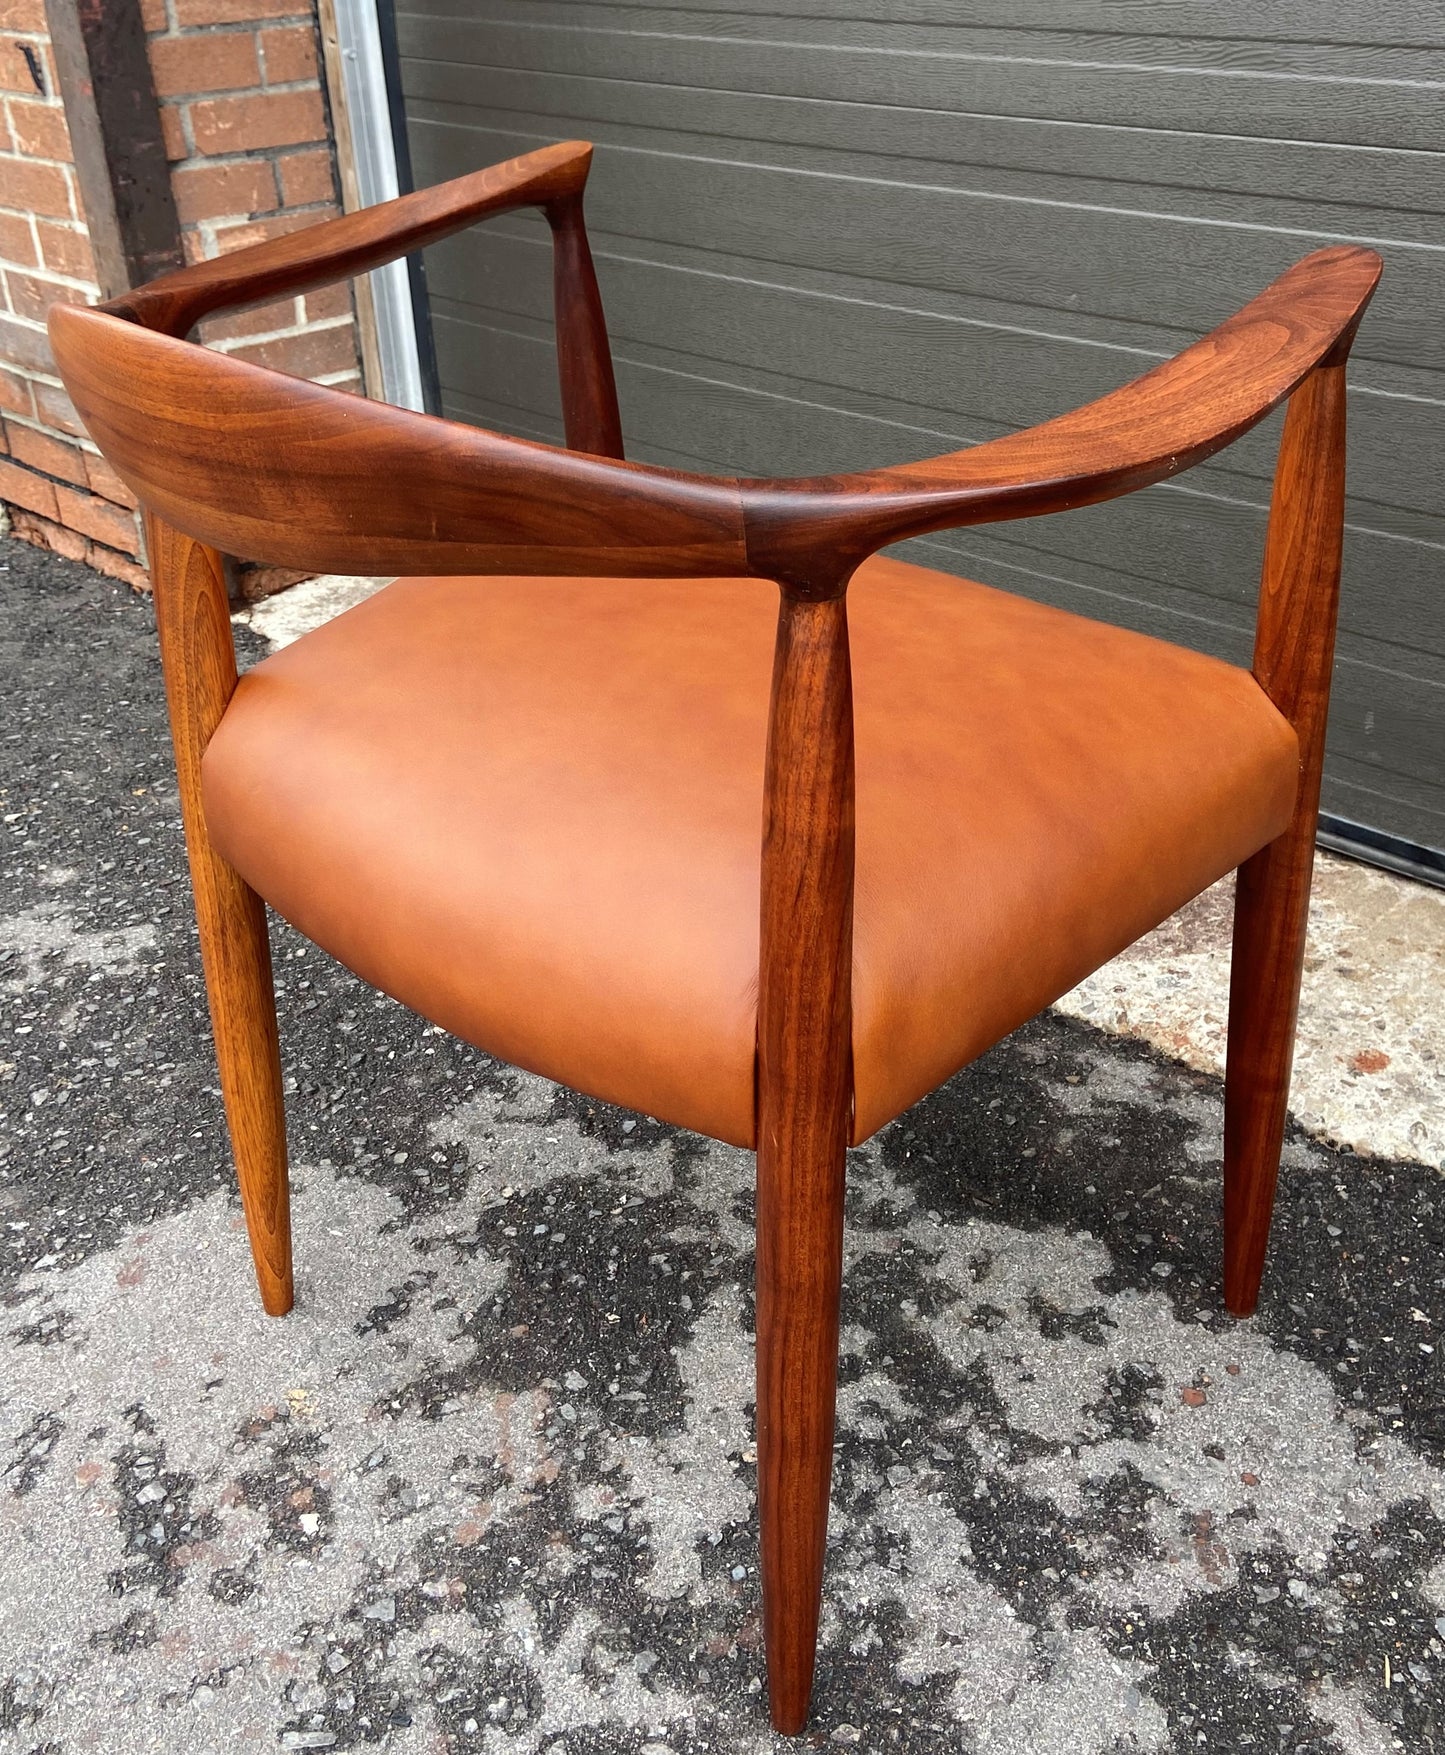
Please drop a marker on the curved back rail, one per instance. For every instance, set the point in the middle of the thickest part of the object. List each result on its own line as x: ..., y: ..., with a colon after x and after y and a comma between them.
x: 255, y: 462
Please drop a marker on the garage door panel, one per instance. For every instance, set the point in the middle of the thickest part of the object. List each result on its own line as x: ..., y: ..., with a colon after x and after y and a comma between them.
x: 1044, y: 258
x: 1311, y: 183
x: 1364, y: 94
x: 828, y: 240
x: 1387, y: 22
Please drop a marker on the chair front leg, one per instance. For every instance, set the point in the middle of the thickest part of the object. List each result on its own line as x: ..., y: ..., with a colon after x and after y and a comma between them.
x: 1293, y: 655
x: 804, y: 1116
x: 799, y: 1275
x: 199, y: 661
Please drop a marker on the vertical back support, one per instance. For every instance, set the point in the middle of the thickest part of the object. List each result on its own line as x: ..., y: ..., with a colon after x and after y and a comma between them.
x: 584, y: 357
x: 804, y: 1112
x: 1293, y: 657
x: 198, y: 659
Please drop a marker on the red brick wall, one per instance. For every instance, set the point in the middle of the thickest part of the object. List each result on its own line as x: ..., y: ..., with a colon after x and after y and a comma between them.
x: 58, y: 488
x: 247, y: 134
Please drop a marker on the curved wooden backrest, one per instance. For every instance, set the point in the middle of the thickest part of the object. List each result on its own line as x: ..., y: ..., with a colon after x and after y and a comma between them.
x: 258, y: 463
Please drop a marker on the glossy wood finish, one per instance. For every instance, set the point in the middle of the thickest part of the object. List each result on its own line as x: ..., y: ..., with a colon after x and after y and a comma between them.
x: 338, y: 485
x: 335, y: 484
x: 251, y: 461
x: 1171, y: 418
x: 1293, y: 658
x: 338, y: 249
x: 804, y: 1111
x: 584, y: 356
x: 193, y: 621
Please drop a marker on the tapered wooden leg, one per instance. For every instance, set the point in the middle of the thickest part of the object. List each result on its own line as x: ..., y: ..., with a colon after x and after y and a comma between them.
x: 236, y: 954
x: 1293, y: 654
x: 804, y: 1087
x: 1271, y: 906
x: 800, y: 1259
x: 197, y: 655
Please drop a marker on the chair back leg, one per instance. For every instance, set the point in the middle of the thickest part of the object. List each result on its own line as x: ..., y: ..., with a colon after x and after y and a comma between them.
x: 804, y: 1116
x: 199, y: 661
x: 1294, y: 652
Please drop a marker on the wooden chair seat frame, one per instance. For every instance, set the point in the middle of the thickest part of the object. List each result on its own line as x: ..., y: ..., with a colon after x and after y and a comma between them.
x: 228, y: 457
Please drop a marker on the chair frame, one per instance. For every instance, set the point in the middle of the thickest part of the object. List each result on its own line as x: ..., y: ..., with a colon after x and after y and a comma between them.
x: 226, y: 456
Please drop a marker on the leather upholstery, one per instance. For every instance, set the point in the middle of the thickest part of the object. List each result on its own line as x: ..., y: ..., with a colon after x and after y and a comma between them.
x: 531, y: 808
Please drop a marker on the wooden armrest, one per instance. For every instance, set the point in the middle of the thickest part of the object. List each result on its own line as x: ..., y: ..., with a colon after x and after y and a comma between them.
x: 1173, y: 417
x: 337, y: 249
x: 253, y: 462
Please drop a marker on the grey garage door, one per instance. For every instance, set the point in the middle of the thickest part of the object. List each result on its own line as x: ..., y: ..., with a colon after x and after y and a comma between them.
x: 833, y: 235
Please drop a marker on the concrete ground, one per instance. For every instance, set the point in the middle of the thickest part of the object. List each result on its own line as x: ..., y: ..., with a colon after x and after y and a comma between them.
x: 490, y: 1487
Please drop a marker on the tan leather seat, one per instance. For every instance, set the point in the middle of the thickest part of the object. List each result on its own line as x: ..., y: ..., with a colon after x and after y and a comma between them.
x: 531, y: 809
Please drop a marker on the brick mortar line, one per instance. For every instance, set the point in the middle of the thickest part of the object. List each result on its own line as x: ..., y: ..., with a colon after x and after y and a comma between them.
x: 261, y: 214
x: 180, y: 33
x: 226, y: 343
x: 185, y: 33
x: 29, y: 323
x: 28, y: 158
x: 233, y: 221
x: 211, y: 94
x: 32, y: 376
x: 260, y: 155
x: 78, y: 226
x: 71, y: 487
x: 74, y: 487
x: 35, y: 425
x: 53, y: 276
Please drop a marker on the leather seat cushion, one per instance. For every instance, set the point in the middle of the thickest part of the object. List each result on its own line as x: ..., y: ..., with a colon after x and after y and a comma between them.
x: 531, y: 809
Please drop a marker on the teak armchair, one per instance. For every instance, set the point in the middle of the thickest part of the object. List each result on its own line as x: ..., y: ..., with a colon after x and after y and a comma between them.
x: 581, y: 789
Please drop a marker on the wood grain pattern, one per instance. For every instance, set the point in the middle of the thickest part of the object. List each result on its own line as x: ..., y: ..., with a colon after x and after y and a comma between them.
x: 1164, y: 422
x: 193, y: 622
x: 804, y: 1111
x: 338, y: 485
x: 339, y: 249
x: 1293, y: 659
x: 732, y: 347
x: 584, y: 355
x: 335, y: 484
